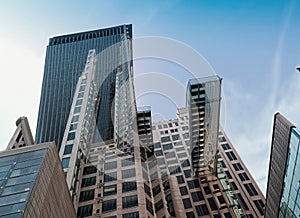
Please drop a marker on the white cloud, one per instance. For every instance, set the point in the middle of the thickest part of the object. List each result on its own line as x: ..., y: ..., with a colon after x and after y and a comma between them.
x: 21, y: 75
x: 250, y: 128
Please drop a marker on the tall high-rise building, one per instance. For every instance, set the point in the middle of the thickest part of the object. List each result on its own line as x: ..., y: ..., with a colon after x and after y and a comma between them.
x: 283, y: 189
x: 65, y: 61
x: 116, y: 162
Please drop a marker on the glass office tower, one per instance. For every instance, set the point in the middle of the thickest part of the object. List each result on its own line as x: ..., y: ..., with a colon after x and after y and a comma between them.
x: 283, y: 188
x: 65, y: 61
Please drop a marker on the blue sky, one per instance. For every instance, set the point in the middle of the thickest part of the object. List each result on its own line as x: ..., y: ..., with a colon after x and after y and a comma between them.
x: 253, y: 45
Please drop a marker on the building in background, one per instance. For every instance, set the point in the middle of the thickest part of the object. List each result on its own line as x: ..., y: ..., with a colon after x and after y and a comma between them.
x: 22, y: 136
x: 32, y: 181
x: 65, y: 60
x: 283, y: 187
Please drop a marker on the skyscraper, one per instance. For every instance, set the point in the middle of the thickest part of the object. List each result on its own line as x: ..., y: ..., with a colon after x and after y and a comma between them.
x: 64, y: 63
x: 283, y: 189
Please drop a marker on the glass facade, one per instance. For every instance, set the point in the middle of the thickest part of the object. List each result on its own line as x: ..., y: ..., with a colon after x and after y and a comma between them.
x: 17, y: 175
x: 203, y: 102
x: 290, y: 201
x: 64, y: 63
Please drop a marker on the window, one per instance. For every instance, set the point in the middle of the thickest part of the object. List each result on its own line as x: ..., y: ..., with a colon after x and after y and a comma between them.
x: 75, y: 119
x: 222, y: 139
x: 207, y: 190
x: 110, y: 190
x: 193, y: 184
x: 68, y: 149
x: 129, y: 201
x: 149, y: 206
x: 88, y: 181
x: 110, y: 165
x: 71, y: 136
x: 170, y: 124
x: 237, y: 166
x: 174, y: 170
x: 187, y: 203
x: 81, y: 88
x: 180, y: 179
x: 212, y: 204
x: 181, y: 155
x: 159, y: 126
x: 250, y: 189
x: 79, y: 102
x: 169, y: 155
x: 233, y: 185
x: 225, y: 146
x: 154, y: 176
x: 187, y: 173
x: 109, y: 205
x: 178, y: 143
x: 165, y: 126
x: 77, y: 110
x: 231, y: 156
x: 156, y: 190
x: 128, y: 186
x: 73, y: 126
x: 175, y: 137
x: 65, y: 162
x: 87, y: 195
x: 158, y: 153
x: 197, y: 196
x: 179, y: 148
x: 89, y: 170
x: 260, y: 206
x: 157, y: 145
x: 221, y: 199
x: 131, y: 215
x: 158, y: 205
x: 222, y: 164
x: 190, y: 214
x: 185, y: 135
x: 168, y: 146
x: 147, y: 190
x: 227, y: 215
x: 165, y: 139
x: 80, y: 95
x: 128, y: 162
x: 171, y: 162
x: 228, y: 174
x: 242, y: 201
x: 84, y: 211
x: 202, y: 210
x: 128, y: 173
x: 183, y: 190
x: 243, y: 176
x: 109, y: 177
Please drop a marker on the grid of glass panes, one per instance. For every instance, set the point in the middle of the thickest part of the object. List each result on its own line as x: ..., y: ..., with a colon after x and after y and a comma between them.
x: 17, y: 175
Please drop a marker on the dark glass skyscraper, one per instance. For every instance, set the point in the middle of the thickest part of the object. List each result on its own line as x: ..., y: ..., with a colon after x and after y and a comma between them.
x: 65, y: 61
